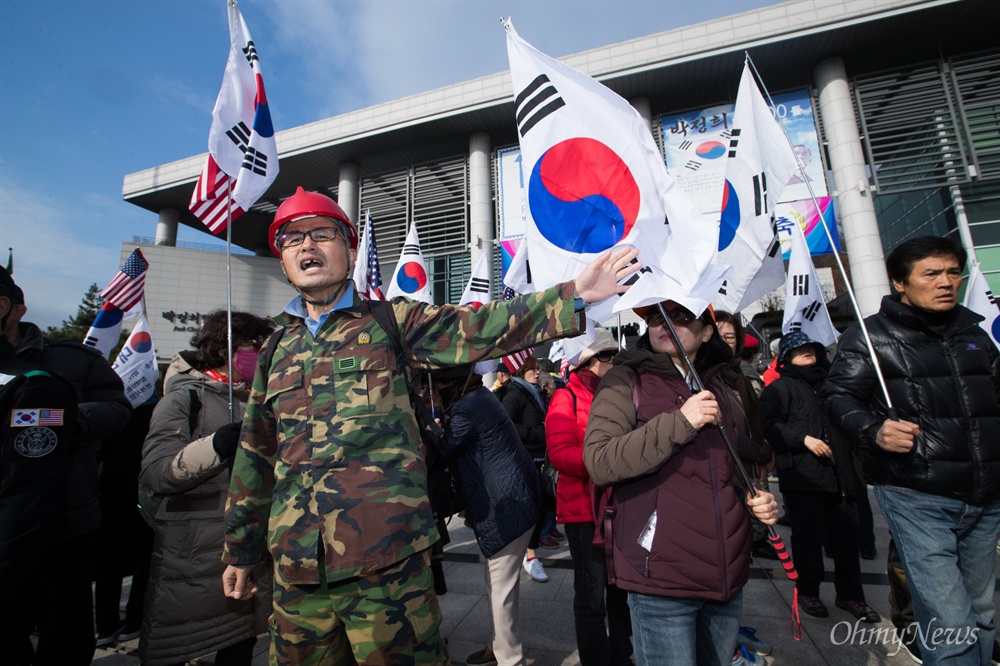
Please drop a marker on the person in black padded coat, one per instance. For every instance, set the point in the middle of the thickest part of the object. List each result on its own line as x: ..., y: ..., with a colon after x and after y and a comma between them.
x: 817, y: 478
x: 502, y: 493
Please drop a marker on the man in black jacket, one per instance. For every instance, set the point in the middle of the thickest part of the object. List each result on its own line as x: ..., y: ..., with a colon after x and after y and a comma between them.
x: 66, y: 626
x: 935, y: 462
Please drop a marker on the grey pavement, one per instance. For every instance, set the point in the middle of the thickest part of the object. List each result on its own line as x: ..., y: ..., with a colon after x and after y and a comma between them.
x: 546, y: 612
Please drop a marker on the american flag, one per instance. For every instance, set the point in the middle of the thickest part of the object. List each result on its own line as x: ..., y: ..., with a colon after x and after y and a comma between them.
x: 208, y: 201
x: 374, y: 272
x: 50, y: 417
x: 125, y: 291
x: 517, y: 359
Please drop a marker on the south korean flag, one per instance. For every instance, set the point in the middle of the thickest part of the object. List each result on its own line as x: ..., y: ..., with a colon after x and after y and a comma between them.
x: 805, y: 307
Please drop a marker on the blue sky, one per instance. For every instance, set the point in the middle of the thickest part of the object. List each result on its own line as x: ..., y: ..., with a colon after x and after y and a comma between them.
x: 91, y: 90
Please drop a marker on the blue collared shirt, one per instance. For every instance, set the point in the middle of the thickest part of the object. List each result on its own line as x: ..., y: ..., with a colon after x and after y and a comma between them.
x: 297, y: 308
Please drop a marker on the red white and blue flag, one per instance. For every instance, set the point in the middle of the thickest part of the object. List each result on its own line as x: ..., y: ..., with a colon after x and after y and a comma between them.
x: 480, y: 288
x: 367, y: 273
x: 126, y: 289
x: 410, y: 277
x: 243, y: 154
x: 805, y: 304
x: 595, y: 177
x: 516, y: 360
x: 106, y: 329
x: 759, y: 164
x: 136, y: 364
x: 980, y: 299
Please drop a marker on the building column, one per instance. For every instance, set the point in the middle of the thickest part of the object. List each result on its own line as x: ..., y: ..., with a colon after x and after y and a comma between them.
x: 347, y: 190
x: 166, y: 227
x: 854, y: 197
x: 480, y: 198
x: 641, y: 104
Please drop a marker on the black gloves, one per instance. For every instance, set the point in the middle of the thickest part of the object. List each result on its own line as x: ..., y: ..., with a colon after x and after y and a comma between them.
x: 227, y: 439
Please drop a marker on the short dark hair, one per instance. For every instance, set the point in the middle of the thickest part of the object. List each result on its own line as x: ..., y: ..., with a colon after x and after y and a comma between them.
x: 211, y: 345
x: 900, y: 262
x: 724, y: 317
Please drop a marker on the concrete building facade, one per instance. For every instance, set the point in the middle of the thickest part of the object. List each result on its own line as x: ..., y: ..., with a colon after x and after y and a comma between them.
x: 905, y: 97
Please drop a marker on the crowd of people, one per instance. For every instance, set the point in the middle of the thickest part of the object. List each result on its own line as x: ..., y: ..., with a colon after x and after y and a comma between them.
x: 284, y: 489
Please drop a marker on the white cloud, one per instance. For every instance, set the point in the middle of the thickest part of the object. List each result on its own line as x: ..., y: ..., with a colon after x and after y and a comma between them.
x: 54, y: 260
x: 170, y: 91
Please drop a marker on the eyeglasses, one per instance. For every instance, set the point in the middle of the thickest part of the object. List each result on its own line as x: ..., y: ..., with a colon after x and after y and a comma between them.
x: 296, y: 238
x: 679, y: 316
x: 605, y: 356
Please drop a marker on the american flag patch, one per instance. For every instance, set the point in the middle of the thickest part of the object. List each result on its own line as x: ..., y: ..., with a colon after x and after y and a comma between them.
x: 22, y: 418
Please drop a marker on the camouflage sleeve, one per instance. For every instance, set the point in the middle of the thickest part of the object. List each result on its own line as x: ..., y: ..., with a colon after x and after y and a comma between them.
x: 447, y: 335
x: 248, y: 506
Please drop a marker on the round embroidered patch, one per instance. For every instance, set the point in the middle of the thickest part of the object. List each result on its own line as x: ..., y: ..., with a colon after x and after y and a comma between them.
x: 36, y: 442
x: 364, y: 337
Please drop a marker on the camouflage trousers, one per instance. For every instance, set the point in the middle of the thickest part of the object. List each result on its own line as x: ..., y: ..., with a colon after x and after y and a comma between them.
x: 389, y: 617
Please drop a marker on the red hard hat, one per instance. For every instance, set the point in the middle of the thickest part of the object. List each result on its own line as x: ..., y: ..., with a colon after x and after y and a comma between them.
x: 304, y: 204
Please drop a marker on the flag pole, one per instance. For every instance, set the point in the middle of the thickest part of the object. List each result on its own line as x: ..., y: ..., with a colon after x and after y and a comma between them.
x: 229, y: 292
x: 833, y: 248
x: 772, y: 534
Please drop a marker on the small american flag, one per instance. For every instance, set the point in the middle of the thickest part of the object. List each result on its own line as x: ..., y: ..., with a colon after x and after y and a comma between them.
x: 210, y: 196
x: 517, y: 359
x: 50, y: 417
x: 127, y: 288
x: 374, y: 272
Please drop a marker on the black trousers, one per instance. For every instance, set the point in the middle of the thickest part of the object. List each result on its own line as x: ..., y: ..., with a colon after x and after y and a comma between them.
x: 53, y: 596
x: 825, y: 516
x: 594, y: 600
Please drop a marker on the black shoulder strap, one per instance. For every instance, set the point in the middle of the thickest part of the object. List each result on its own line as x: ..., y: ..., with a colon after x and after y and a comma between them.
x: 571, y: 395
x: 382, y: 311
x: 195, y: 409
x: 272, y: 344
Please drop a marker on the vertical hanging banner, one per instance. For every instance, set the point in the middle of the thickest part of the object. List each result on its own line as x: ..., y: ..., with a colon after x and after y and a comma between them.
x: 805, y: 305
x: 595, y: 177
x: 410, y: 277
x: 758, y: 165
x: 243, y: 154
x: 136, y: 364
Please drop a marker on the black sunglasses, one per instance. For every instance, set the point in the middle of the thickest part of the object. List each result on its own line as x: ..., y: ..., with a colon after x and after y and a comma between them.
x: 605, y: 356
x: 679, y: 316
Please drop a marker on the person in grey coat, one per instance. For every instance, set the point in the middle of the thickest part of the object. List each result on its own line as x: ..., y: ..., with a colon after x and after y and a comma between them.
x: 186, y: 461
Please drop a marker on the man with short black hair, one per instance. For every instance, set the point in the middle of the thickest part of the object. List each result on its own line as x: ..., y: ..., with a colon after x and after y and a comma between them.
x: 935, y: 466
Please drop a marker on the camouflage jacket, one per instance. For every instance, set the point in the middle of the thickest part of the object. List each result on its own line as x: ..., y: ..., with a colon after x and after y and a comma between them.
x: 330, y: 460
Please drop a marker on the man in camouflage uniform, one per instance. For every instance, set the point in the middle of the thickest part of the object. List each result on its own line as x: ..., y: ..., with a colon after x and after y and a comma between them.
x: 330, y: 476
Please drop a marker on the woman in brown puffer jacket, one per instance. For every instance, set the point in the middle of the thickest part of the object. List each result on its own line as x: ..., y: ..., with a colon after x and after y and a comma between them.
x: 681, y: 533
x: 186, y: 460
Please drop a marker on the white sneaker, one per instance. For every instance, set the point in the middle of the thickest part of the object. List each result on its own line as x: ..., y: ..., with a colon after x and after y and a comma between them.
x: 535, y: 569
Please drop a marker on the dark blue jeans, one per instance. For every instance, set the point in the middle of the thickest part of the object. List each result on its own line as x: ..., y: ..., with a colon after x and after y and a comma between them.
x: 593, y: 600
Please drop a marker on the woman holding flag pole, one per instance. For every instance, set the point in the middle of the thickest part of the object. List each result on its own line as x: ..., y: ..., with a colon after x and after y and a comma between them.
x: 680, y: 536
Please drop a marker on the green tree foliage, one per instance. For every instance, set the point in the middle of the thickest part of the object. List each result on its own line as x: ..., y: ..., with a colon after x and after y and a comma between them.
x: 76, y: 327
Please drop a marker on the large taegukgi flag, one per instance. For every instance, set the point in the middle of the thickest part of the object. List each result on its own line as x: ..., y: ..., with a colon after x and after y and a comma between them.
x: 981, y: 300
x: 595, y: 176
x: 805, y: 305
x: 759, y: 164
x: 242, y: 149
x: 410, y: 277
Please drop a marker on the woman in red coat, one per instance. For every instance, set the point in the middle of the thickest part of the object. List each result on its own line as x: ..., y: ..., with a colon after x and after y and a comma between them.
x: 593, y: 599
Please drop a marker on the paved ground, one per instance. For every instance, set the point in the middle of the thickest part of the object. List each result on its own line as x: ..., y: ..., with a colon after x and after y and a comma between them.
x: 547, y: 617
